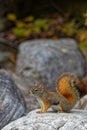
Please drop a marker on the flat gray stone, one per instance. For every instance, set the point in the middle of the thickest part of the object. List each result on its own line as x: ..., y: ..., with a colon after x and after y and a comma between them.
x: 75, y: 120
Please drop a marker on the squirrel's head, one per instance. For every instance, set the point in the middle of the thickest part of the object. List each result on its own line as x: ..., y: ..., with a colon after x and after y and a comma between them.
x: 37, y: 90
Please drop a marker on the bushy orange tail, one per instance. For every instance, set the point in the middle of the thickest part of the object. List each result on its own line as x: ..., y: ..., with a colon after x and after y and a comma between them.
x: 68, y: 85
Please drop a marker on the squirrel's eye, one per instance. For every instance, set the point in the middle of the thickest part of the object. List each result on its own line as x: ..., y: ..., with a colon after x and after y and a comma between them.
x: 35, y: 89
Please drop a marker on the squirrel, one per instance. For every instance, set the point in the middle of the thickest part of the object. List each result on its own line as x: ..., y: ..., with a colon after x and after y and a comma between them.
x: 64, y: 99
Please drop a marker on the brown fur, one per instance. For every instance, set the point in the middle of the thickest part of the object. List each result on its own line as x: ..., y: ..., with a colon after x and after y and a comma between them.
x: 64, y: 99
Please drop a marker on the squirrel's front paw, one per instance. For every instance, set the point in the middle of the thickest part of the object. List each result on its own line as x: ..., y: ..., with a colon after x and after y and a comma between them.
x: 39, y: 111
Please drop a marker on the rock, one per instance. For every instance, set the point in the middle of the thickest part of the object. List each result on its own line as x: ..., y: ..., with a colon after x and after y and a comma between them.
x: 75, y: 120
x: 82, y: 104
x: 31, y: 102
x: 46, y: 60
x: 12, y: 104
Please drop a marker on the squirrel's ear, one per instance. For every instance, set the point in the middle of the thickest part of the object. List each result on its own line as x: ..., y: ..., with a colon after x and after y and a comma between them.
x: 36, y: 84
x: 39, y: 85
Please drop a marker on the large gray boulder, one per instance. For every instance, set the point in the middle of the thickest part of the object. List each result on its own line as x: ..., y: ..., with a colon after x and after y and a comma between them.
x: 12, y: 104
x: 75, y: 120
x: 46, y: 60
